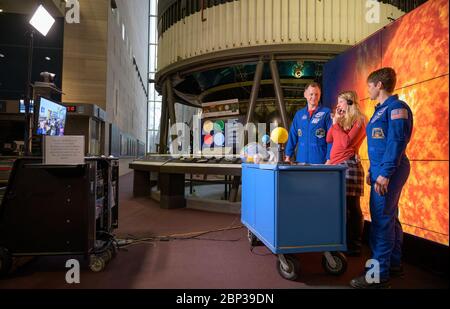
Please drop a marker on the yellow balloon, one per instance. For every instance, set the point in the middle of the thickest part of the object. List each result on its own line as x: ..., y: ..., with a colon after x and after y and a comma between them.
x: 279, y: 135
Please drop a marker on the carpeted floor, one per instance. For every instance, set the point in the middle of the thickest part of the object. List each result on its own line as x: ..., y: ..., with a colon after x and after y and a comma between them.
x: 222, y: 260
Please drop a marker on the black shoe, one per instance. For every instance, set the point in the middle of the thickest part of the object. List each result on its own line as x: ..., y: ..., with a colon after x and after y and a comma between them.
x: 397, y: 271
x: 361, y: 283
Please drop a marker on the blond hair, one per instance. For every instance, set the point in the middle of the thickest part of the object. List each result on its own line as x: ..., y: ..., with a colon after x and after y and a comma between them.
x: 353, y: 113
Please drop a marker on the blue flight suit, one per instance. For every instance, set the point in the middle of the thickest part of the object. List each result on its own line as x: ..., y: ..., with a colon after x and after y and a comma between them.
x: 388, y: 133
x: 310, y: 134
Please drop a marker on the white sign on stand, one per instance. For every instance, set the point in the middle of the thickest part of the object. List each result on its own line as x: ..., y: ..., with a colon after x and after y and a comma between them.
x: 63, y: 150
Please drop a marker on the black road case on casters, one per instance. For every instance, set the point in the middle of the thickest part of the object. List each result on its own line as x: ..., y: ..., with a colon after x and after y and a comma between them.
x: 60, y: 210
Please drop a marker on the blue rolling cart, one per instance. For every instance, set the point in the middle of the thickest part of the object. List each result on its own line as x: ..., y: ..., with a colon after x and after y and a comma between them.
x: 295, y: 209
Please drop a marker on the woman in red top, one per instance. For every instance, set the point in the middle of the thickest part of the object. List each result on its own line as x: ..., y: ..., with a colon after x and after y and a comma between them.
x: 347, y: 134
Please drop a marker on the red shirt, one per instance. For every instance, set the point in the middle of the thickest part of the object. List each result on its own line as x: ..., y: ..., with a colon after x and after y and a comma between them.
x: 345, y: 143
x: 311, y: 112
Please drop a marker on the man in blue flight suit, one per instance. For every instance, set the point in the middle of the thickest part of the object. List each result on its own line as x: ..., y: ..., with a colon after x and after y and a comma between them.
x: 388, y: 133
x: 309, y: 130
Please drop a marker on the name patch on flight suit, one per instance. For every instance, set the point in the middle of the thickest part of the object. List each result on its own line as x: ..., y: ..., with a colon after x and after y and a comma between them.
x: 317, y: 117
x: 319, y: 114
x: 377, y: 133
x: 320, y: 133
x: 299, y: 133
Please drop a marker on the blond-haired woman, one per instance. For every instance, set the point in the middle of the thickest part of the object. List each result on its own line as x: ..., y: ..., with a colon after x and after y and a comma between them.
x: 347, y: 134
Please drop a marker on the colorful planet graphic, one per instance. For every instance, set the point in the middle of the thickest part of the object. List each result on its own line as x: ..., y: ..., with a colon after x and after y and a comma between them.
x: 219, y: 126
x: 209, y: 139
x: 219, y: 139
x: 208, y: 126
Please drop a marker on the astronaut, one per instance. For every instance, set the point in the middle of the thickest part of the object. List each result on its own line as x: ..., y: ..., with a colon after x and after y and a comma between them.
x: 309, y: 130
x: 388, y: 134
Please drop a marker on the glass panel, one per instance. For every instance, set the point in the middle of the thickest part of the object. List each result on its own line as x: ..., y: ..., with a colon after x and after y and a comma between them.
x: 157, y: 115
x: 153, y: 139
x: 155, y: 47
x: 151, y: 92
x: 153, y: 30
x: 154, y: 99
x: 150, y: 143
x: 153, y: 7
x: 151, y: 115
x: 152, y: 58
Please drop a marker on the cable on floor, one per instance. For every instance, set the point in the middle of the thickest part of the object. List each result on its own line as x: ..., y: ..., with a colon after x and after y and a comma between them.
x: 133, y: 240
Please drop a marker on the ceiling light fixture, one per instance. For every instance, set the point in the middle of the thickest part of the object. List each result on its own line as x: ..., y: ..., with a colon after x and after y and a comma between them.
x: 42, y: 21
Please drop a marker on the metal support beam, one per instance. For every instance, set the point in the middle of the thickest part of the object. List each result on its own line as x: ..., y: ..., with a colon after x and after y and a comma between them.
x: 164, y: 123
x: 171, y: 109
x: 170, y: 102
x: 279, y: 93
x: 255, y: 91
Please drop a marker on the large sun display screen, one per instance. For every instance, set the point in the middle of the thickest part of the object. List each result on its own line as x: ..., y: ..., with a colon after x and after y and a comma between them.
x: 416, y: 46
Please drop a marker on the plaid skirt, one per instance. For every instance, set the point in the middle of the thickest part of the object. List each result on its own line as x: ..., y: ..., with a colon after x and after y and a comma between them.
x: 354, y: 177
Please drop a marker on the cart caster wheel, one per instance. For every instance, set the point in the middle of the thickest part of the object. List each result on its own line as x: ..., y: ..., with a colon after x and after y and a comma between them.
x: 6, y: 262
x: 106, y: 256
x: 291, y: 271
x: 110, y: 254
x: 252, y: 239
x: 96, y: 264
x: 340, y: 264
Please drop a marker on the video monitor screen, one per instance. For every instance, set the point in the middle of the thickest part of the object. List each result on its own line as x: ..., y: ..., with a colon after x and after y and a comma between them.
x: 22, y: 106
x: 52, y: 118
